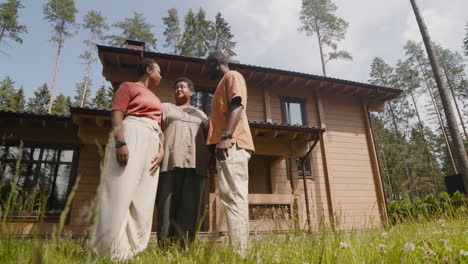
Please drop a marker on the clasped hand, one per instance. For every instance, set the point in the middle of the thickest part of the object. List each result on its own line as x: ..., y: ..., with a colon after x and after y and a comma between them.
x: 123, y: 156
x: 222, y: 149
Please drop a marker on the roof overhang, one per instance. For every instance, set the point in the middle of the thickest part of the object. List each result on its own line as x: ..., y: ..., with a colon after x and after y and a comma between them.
x: 269, y: 138
x: 119, y: 65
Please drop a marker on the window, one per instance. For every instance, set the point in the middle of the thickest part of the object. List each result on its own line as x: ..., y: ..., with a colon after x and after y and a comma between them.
x: 294, y: 114
x: 45, y: 175
x: 293, y: 111
x: 202, y: 99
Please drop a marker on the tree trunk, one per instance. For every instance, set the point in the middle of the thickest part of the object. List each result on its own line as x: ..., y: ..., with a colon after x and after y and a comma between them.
x: 57, y: 62
x: 429, y: 151
x: 460, y: 151
x: 456, y: 103
x: 324, y: 71
x: 88, y: 69
x: 2, y: 33
x: 397, y: 135
x: 441, y: 123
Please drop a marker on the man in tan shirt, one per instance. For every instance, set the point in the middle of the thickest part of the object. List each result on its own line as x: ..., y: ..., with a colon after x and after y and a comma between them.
x: 230, y: 134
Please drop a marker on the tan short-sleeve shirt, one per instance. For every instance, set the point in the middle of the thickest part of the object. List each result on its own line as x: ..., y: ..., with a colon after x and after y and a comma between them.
x: 232, y: 85
x: 184, y: 139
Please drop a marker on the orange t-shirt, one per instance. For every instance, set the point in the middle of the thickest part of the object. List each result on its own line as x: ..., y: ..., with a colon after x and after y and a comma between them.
x: 232, y: 85
x: 136, y: 100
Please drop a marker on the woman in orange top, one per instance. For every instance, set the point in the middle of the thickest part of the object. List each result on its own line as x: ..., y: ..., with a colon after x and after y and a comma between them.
x: 130, y: 174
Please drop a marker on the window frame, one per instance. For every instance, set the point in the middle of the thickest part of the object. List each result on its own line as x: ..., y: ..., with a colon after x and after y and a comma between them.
x: 302, y: 101
x: 48, y: 216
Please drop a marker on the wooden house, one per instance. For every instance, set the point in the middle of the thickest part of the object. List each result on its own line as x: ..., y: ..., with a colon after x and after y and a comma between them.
x: 315, y: 162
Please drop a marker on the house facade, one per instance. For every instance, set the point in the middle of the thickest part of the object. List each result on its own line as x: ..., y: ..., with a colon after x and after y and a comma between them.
x: 315, y: 162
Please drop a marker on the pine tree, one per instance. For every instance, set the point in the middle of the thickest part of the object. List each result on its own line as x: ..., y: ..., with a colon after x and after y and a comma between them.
x: 409, y: 80
x: 61, y: 15
x: 221, y: 37
x: 194, y: 40
x: 396, y: 116
x: 459, y: 147
x: 10, y: 98
x: 172, y: 31
x: 135, y: 28
x: 94, y: 22
x: 318, y: 17
x: 9, y: 25
x: 188, y: 42
x: 39, y: 102
x: 78, y: 99
x: 18, y: 101
x: 61, y: 105
x: 418, y: 61
x: 7, y: 91
x: 103, y: 97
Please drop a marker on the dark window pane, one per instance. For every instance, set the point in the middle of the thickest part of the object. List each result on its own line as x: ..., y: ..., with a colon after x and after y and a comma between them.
x: 43, y: 176
x: 202, y: 100
x: 50, y: 155
x: 307, y: 167
x: 13, y: 152
x: 2, y: 151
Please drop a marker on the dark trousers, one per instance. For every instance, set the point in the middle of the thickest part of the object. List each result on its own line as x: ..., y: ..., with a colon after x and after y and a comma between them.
x: 178, y: 202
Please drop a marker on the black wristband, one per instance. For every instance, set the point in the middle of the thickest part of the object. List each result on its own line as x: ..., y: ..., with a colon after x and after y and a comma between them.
x: 226, y: 135
x: 120, y: 144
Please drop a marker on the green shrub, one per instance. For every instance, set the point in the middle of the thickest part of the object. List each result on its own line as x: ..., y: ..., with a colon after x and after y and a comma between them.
x: 430, y: 207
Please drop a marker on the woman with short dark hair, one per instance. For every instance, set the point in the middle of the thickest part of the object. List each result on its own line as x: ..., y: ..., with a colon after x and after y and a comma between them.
x: 184, y: 166
x: 129, y: 177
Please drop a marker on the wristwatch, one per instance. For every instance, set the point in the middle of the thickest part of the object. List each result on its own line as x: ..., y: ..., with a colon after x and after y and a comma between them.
x: 120, y: 144
x: 225, y: 135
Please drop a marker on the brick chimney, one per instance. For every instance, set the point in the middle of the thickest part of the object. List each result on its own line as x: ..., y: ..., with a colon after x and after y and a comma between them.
x: 135, y: 44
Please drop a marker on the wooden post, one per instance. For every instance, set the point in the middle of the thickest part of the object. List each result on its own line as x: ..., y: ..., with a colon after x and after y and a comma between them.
x: 381, y: 202
x: 327, y: 170
x: 266, y: 93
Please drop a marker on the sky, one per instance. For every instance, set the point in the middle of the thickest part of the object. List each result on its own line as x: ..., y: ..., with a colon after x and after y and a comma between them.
x: 266, y: 32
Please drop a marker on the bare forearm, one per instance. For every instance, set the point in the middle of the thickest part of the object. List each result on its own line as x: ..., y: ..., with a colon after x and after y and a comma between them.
x: 117, y: 125
x: 235, y: 112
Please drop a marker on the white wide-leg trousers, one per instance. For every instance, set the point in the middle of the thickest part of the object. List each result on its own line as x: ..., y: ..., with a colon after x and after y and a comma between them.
x: 128, y: 193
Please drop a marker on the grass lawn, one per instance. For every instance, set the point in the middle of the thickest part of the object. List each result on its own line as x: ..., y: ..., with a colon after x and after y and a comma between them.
x: 441, y: 241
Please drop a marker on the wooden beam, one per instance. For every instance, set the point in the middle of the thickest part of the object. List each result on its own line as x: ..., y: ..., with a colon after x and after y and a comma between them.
x: 264, y: 79
x: 249, y: 77
x: 43, y: 123
x: 292, y: 136
x: 255, y: 132
x: 308, y: 82
x: 186, y: 68
x: 168, y: 68
x: 378, y: 184
x: 117, y: 61
x: 100, y: 122
x: 348, y: 89
x: 293, y: 81
x: 267, y: 101
x: 276, y: 160
x: 272, y: 133
x: 327, y: 168
x: 203, y: 69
